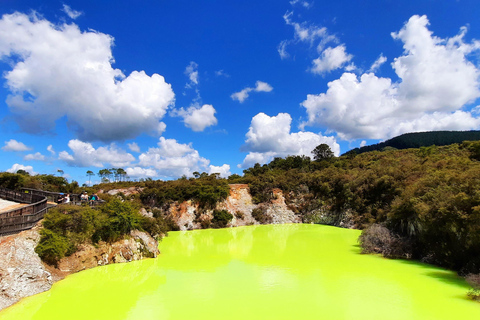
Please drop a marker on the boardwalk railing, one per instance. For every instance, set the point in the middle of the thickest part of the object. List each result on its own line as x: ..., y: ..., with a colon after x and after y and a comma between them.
x: 23, y: 218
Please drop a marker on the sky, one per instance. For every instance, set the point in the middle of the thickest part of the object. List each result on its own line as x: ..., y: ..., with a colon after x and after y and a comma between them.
x: 166, y: 88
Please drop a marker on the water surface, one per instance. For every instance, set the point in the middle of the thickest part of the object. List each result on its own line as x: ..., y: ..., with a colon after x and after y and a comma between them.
x: 257, y: 272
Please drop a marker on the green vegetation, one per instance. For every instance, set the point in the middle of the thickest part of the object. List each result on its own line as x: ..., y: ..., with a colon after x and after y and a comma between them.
x: 65, y: 227
x: 221, y: 218
x: 422, y: 139
x: 419, y: 203
x: 207, y: 190
x: 428, y: 199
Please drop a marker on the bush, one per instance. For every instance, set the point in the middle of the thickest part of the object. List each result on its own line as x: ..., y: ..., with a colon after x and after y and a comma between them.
x: 52, y: 247
x: 261, y: 216
x: 221, y: 218
x: 65, y: 227
x: 239, y: 215
x: 474, y: 281
x: 378, y: 239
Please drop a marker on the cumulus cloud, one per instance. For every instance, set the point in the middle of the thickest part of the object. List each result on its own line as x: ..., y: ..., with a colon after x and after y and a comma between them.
x: 73, y: 14
x: 224, y: 170
x: 197, y: 118
x: 59, y: 70
x: 172, y: 159
x: 37, y: 156
x: 138, y: 172
x: 270, y: 137
x: 436, y: 82
x: 242, y: 95
x: 133, y: 147
x: 85, y: 155
x: 14, y: 145
x: 331, y: 59
x: 17, y: 167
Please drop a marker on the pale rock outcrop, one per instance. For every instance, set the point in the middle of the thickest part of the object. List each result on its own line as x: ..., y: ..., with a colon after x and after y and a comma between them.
x: 279, y: 211
x: 239, y: 203
x: 22, y: 273
x: 126, y: 191
x: 146, y: 213
x: 138, y: 246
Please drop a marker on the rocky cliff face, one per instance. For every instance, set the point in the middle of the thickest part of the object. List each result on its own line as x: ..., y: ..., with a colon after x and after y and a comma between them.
x: 187, y: 215
x: 23, y: 274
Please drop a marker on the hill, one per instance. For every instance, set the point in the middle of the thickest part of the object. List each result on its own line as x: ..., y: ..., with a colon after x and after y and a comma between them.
x: 422, y: 139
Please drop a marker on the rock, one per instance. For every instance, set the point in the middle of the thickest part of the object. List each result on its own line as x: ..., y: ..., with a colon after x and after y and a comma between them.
x: 126, y: 191
x: 146, y: 213
x: 138, y: 246
x: 22, y: 273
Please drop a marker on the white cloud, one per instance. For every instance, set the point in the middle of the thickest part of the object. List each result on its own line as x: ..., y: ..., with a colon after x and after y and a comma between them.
x: 437, y: 81
x: 363, y: 143
x: 73, y: 14
x: 85, y: 155
x: 378, y: 63
x: 17, y: 167
x: 197, y: 118
x: 222, y: 73
x: 191, y: 71
x: 224, y: 170
x: 331, y: 59
x: 303, y: 32
x: 133, y: 147
x: 282, y: 49
x: 51, y: 150
x: 242, y: 95
x: 34, y: 156
x: 58, y: 70
x: 172, y: 159
x: 304, y: 4
x: 138, y: 172
x: 269, y: 137
x: 14, y: 145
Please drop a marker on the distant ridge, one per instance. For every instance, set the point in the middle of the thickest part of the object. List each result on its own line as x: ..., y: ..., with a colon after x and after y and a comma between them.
x: 422, y: 139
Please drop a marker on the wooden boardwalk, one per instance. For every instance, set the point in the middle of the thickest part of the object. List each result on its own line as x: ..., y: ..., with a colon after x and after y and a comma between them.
x: 21, y: 210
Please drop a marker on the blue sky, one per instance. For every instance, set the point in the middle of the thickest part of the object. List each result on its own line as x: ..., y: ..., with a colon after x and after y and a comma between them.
x: 166, y: 88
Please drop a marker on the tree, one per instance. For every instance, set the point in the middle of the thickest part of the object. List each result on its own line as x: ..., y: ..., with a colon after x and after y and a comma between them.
x: 60, y: 172
x: 121, y: 174
x: 23, y: 172
x: 322, y: 152
x: 105, y: 174
x: 90, y: 174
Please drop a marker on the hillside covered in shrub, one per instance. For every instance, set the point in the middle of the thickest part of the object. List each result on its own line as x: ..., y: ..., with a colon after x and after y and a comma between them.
x: 422, y: 139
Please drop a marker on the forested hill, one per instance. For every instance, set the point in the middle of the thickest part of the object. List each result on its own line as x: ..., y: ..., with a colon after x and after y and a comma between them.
x: 422, y: 139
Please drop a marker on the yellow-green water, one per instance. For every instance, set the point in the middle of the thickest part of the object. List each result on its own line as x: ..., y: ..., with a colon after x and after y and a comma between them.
x: 257, y: 272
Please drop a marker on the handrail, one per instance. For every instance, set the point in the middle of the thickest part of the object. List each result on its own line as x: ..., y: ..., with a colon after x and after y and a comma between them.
x: 16, y: 220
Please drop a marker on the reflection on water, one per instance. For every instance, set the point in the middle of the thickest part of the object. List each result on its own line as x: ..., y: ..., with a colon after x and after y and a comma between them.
x: 257, y: 272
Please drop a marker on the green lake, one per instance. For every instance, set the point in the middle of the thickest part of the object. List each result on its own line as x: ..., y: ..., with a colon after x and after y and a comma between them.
x: 256, y: 272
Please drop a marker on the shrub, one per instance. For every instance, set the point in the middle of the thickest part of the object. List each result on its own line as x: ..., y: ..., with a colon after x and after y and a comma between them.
x: 261, y: 216
x: 52, y: 247
x: 239, y: 215
x: 378, y: 239
x: 221, y: 218
x: 474, y: 281
x: 122, y: 218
